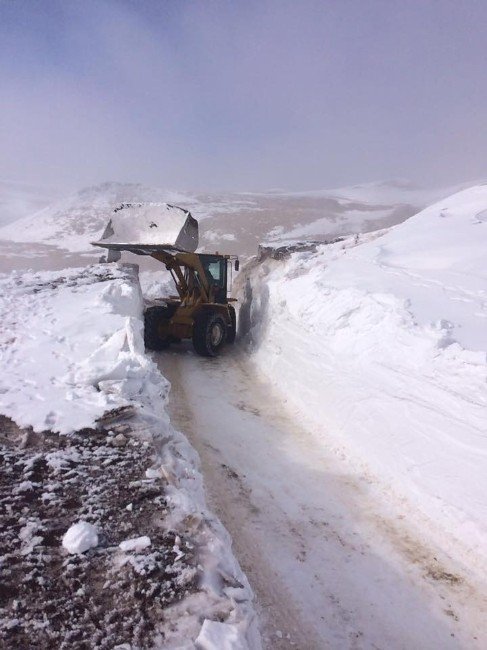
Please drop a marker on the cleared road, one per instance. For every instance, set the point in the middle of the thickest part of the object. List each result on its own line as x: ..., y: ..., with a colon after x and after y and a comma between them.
x: 329, y: 566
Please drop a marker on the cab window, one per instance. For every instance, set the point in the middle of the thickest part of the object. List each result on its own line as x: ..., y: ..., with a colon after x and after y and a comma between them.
x: 216, y: 274
x: 215, y: 271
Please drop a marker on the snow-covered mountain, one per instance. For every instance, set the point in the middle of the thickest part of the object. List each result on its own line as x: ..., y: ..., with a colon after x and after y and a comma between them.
x: 379, y: 342
x: 72, y: 222
x: 232, y: 222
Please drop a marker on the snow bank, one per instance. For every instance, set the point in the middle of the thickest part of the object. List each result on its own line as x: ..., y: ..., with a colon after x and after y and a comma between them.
x: 380, y: 344
x: 225, y: 595
x: 72, y: 347
x: 72, y: 354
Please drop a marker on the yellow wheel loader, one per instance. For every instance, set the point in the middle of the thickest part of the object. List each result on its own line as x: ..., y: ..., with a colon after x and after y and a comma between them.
x: 201, y: 311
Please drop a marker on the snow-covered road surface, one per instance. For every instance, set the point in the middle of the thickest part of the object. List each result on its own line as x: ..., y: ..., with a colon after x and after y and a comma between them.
x: 332, y: 566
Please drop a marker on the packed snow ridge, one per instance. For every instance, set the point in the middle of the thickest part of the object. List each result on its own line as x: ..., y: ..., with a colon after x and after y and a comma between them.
x: 379, y: 342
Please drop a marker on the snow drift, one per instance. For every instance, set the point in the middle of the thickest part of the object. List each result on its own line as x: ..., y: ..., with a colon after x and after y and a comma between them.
x: 379, y: 343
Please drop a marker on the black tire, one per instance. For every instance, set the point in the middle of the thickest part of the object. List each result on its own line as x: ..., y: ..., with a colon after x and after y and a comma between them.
x: 232, y: 328
x: 152, y: 320
x: 209, y: 333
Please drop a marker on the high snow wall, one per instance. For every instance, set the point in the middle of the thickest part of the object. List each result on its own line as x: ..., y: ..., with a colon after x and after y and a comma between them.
x: 379, y: 343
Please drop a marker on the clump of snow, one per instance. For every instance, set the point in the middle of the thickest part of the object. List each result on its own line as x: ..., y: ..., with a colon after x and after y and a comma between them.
x: 223, y: 636
x: 380, y: 343
x: 135, y: 544
x: 156, y: 285
x: 153, y: 472
x: 80, y: 537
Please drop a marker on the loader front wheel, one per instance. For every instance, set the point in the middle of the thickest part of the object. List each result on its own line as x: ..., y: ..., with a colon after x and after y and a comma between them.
x: 209, y: 333
x: 154, y: 317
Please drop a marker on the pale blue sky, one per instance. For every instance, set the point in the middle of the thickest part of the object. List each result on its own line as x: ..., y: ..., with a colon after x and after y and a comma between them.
x: 243, y: 94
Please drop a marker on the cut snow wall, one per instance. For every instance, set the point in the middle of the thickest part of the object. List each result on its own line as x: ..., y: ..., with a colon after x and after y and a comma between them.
x: 401, y: 399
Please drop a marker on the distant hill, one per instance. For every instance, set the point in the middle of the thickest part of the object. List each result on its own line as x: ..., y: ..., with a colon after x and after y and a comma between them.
x: 279, y: 217
x: 230, y: 222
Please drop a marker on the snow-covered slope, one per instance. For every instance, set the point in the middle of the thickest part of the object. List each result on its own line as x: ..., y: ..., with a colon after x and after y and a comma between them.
x: 73, y: 222
x: 380, y: 342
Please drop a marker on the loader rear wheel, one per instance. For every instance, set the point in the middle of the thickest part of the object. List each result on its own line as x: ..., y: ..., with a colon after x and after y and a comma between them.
x: 209, y: 333
x: 153, y: 318
x: 232, y: 328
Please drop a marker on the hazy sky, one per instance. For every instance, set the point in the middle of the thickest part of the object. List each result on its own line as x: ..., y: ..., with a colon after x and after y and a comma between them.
x: 242, y: 94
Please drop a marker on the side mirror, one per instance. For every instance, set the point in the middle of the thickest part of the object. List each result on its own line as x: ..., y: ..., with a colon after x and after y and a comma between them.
x: 237, y: 265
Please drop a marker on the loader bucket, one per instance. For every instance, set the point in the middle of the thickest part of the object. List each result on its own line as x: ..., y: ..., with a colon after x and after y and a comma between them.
x: 145, y: 227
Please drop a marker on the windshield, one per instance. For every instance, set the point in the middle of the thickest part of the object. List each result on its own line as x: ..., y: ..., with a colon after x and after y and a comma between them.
x: 216, y: 273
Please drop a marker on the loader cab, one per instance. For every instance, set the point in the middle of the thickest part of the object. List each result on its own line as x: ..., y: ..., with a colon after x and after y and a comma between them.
x: 215, y: 267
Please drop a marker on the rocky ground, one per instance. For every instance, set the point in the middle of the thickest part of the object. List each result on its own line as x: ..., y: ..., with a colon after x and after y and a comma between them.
x: 104, y: 597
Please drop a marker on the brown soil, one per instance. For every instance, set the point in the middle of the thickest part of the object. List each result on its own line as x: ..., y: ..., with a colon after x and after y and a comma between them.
x: 102, y: 598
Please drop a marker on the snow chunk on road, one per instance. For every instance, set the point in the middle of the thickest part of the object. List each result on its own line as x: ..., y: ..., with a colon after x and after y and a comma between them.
x: 135, y: 544
x: 219, y: 636
x: 80, y: 537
